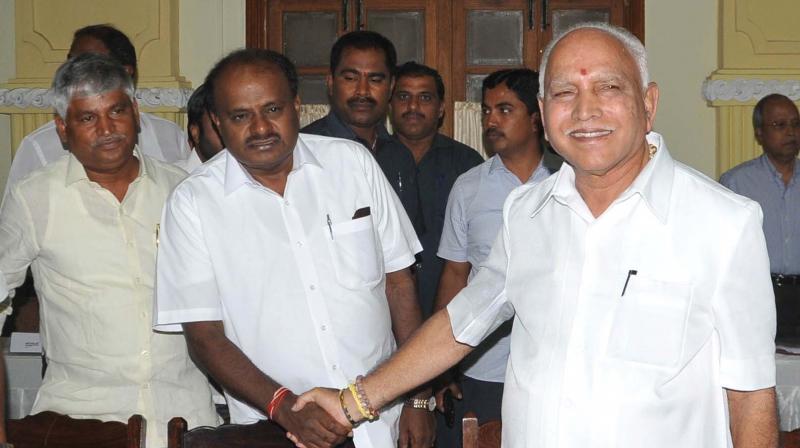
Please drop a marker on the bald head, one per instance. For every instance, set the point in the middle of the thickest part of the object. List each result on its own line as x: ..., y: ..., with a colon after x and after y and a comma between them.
x: 596, y: 108
x: 632, y: 45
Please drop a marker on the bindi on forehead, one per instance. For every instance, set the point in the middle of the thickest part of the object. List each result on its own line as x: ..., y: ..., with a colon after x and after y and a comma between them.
x: 583, y: 72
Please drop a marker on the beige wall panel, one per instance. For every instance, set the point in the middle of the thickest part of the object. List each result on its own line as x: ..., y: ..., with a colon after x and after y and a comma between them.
x: 45, y: 27
x: 679, y: 62
x: 761, y: 34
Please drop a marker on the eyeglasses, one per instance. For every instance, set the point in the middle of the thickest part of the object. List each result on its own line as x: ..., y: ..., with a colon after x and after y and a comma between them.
x: 783, y: 125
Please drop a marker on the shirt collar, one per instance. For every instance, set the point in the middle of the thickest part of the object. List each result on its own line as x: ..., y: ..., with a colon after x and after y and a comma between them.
x: 541, y: 172
x: 76, y: 172
x: 774, y: 171
x: 339, y: 127
x: 653, y: 184
x: 236, y: 175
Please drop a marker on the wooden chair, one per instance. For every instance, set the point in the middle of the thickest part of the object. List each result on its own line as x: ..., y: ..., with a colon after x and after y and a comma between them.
x: 790, y: 439
x: 486, y: 435
x: 52, y: 430
x: 264, y: 434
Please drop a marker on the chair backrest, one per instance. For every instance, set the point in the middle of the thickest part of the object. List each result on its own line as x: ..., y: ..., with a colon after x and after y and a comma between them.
x: 52, y: 430
x: 486, y: 435
x: 264, y: 434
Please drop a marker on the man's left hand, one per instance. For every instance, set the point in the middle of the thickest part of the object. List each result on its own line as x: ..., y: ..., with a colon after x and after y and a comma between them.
x: 417, y: 428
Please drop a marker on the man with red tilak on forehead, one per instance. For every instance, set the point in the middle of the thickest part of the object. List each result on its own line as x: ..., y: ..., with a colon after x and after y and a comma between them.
x: 650, y: 323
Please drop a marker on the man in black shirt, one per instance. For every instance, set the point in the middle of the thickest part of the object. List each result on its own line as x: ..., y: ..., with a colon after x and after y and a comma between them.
x: 416, y: 111
x: 359, y: 86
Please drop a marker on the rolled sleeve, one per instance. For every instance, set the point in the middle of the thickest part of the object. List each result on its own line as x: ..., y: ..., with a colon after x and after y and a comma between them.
x: 186, y: 288
x: 482, y: 305
x: 744, y: 312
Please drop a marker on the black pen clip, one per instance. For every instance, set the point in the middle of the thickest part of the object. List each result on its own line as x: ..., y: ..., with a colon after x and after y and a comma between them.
x: 627, y: 279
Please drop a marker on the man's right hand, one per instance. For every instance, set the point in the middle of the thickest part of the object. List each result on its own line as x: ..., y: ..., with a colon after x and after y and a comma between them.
x: 311, y: 426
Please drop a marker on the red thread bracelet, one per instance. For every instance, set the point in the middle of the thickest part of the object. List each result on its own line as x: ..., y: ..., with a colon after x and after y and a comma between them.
x: 277, y: 398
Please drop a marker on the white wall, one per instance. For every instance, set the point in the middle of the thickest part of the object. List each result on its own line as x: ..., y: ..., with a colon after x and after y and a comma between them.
x: 208, y: 30
x: 682, y: 40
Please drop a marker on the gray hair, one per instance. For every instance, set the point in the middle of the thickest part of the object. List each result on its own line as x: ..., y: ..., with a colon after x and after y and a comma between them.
x: 88, y: 75
x: 630, y: 42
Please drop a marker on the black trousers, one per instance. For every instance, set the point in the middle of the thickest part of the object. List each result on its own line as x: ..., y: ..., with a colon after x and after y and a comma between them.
x: 787, y: 305
x: 484, y: 398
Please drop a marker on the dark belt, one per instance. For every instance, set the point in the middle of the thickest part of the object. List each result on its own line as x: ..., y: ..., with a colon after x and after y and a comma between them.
x: 785, y: 280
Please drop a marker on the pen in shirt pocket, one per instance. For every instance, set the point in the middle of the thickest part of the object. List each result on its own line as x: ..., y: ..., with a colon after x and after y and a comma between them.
x: 627, y: 279
x: 330, y: 224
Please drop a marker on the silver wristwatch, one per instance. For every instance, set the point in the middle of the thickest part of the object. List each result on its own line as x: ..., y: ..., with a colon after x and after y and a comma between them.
x: 419, y: 403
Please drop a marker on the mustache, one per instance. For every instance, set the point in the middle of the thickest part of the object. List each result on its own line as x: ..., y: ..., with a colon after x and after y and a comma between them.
x: 108, y: 139
x: 493, y: 132
x: 253, y: 139
x: 360, y: 100
x: 412, y: 113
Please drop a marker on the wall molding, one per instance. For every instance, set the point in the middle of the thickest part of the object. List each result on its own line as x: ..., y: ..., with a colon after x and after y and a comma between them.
x: 149, y: 97
x: 749, y: 90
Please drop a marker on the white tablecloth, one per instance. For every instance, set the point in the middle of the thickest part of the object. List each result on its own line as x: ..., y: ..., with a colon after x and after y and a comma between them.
x: 23, y: 377
x: 788, y: 389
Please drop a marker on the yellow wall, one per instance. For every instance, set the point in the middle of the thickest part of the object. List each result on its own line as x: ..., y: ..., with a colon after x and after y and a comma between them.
x: 681, y: 40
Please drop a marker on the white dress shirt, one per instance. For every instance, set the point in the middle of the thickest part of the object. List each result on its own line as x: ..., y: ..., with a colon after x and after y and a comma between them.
x: 472, y: 220
x: 159, y: 138
x: 593, y: 367
x: 93, y: 262
x: 297, y: 281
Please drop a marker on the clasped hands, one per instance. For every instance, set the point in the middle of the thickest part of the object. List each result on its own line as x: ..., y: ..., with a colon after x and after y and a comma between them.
x: 316, y: 420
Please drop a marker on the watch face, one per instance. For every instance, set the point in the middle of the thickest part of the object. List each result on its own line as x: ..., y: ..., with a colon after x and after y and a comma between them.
x: 432, y: 404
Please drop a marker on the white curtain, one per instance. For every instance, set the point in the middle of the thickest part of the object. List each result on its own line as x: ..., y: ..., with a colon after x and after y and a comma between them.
x: 467, y: 127
x: 312, y: 112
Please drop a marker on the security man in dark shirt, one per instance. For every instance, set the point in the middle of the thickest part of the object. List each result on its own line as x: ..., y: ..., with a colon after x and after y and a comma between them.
x: 359, y: 86
x: 416, y: 112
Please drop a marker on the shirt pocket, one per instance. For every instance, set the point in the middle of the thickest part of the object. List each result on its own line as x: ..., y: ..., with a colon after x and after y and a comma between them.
x: 649, y: 324
x: 354, y: 252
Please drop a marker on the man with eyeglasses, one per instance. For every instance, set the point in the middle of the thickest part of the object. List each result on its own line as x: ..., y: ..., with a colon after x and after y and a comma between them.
x: 773, y: 180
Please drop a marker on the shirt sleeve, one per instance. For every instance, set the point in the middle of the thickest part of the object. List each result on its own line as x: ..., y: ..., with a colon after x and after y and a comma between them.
x: 18, y: 246
x: 25, y: 161
x: 453, y: 243
x: 744, y: 311
x: 398, y: 239
x: 186, y: 287
x: 482, y: 305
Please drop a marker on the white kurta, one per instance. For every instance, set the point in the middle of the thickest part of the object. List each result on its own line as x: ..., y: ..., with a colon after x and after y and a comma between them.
x: 593, y: 367
x: 297, y: 281
x: 93, y: 262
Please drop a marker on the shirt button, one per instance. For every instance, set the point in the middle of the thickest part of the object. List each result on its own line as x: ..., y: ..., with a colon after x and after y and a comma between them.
x: 145, y: 353
x: 299, y: 244
x: 312, y: 287
x: 137, y: 280
x: 146, y: 386
x: 323, y: 328
x: 335, y: 366
x: 286, y: 202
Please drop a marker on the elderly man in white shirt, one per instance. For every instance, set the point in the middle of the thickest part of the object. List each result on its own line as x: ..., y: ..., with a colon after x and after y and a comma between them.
x: 285, y: 258
x: 87, y: 225
x: 158, y: 138
x: 651, y: 320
